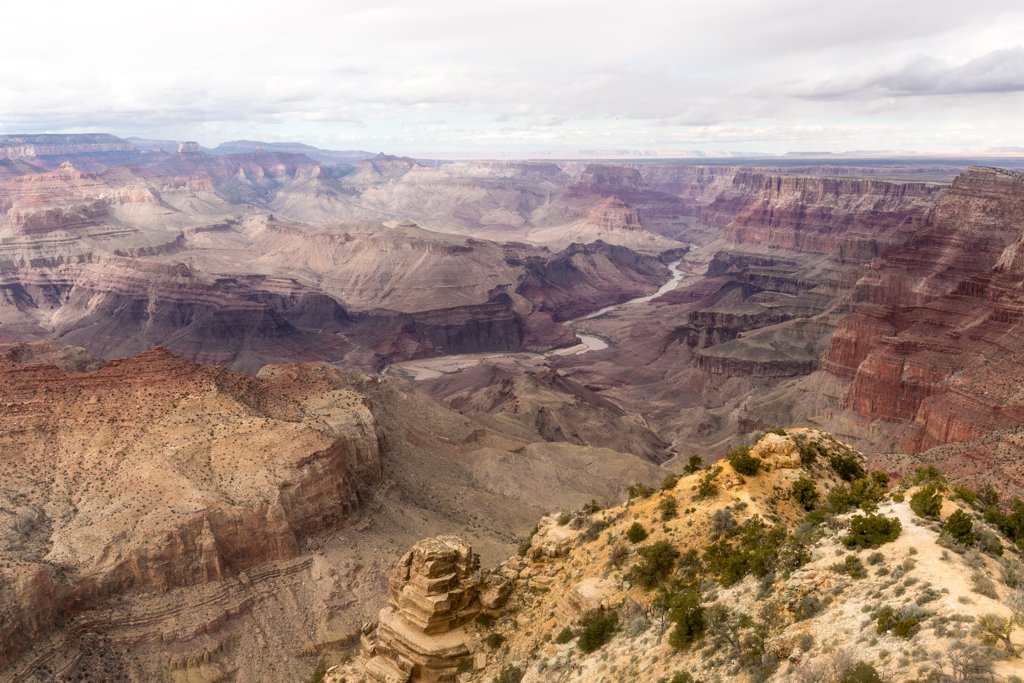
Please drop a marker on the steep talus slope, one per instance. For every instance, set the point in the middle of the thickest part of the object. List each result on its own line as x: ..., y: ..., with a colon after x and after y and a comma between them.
x: 719, y: 576
x: 936, y: 337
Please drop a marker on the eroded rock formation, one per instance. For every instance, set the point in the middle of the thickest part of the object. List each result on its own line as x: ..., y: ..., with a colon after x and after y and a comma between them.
x: 419, y: 637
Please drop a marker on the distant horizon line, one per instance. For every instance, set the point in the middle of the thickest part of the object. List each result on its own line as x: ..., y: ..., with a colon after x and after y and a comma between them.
x: 608, y: 153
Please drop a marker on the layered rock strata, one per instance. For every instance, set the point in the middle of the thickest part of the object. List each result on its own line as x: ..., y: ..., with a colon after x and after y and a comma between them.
x: 154, y: 473
x: 419, y: 637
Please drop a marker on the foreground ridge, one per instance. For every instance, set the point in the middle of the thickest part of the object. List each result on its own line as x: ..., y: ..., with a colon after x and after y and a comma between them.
x: 787, y: 561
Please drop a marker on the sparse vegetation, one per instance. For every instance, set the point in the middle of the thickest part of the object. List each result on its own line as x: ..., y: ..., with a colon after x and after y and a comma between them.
x: 929, y: 476
x: 927, y: 502
x: 904, y: 623
x: 565, y: 635
x: 669, y: 509
x: 619, y: 554
x: 960, y: 528
x: 707, y: 487
x: 966, y: 494
x: 722, y: 522
x: 639, y: 491
x: 683, y: 677
x: 805, y: 493
x: 597, y: 628
x: 656, y: 564
x: 846, y: 464
x: 851, y: 566
x: 682, y: 603
x: 510, y: 674
x: 751, y: 548
x: 318, y: 672
x: 871, y: 531
x: 694, y: 464
x: 636, y: 533
x: 524, y: 545
x: 494, y: 640
x: 810, y: 451
x: 743, y: 462
x: 994, y: 629
x: 669, y: 482
x: 862, y: 672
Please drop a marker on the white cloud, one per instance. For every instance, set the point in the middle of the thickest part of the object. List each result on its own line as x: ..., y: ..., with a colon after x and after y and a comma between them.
x: 531, y: 74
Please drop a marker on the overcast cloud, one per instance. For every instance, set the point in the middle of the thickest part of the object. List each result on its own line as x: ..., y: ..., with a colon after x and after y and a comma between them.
x: 561, y: 75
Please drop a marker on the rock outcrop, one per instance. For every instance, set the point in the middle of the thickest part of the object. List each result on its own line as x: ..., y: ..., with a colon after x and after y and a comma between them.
x: 154, y: 473
x: 419, y: 637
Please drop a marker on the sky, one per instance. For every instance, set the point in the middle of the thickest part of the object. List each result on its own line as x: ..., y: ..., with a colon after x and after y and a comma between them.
x: 529, y: 76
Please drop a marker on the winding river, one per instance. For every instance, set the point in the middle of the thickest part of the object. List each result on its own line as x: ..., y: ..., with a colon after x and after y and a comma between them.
x: 431, y: 368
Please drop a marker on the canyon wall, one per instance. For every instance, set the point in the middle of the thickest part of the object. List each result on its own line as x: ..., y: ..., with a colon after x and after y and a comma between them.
x: 936, y: 336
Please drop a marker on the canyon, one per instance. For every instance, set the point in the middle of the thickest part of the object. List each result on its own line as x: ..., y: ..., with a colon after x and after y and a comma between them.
x: 238, y: 384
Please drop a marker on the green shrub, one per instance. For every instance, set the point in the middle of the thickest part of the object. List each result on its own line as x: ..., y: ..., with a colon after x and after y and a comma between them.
x: 927, y: 502
x: 929, y: 475
x: 682, y: 677
x: 810, y: 451
x: 564, y: 518
x: 510, y: 674
x: 656, y: 564
x: 903, y: 623
x: 871, y: 531
x: 960, y: 528
x: 596, y: 628
x: 565, y: 635
x: 743, y: 462
x: 485, y: 620
x: 752, y: 549
x: 669, y: 508
x: 862, y: 672
x: 779, y: 431
x: 694, y: 464
x: 685, y: 611
x: 987, y: 497
x: 636, y: 532
x: 966, y: 494
x: 867, y: 492
x: 639, y: 491
x: 494, y: 640
x: 805, y: 493
x: 838, y: 500
x: 669, y: 482
x: 852, y: 566
x: 846, y: 464
x: 707, y: 487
